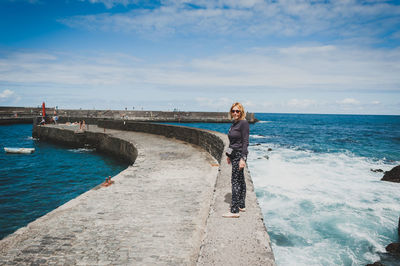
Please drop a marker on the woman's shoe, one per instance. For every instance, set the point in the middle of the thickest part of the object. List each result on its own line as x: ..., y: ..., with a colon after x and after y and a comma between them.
x: 242, y: 210
x: 231, y: 215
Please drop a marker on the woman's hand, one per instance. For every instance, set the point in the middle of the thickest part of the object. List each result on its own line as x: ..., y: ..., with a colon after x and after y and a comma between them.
x: 228, y: 160
x: 242, y: 164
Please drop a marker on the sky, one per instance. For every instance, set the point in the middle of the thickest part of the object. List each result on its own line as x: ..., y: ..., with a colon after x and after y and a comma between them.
x: 274, y: 56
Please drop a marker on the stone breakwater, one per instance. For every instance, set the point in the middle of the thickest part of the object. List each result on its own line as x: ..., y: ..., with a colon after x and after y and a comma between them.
x: 165, y: 209
x: 10, y: 115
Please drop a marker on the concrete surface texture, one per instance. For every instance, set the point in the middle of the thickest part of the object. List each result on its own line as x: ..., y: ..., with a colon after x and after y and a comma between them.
x: 91, y: 116
x: 235, y: 241
x: 162, y: 210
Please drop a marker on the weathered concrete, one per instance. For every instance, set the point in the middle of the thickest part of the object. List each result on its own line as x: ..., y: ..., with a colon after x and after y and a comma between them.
x: 16, y: 120
x: 153, y: 214
x: 122, y: 148
x: 162, y: 210
x: 231, y: 241
x: 91, y: 116
x: 212, y: 142
x: 243, y: 241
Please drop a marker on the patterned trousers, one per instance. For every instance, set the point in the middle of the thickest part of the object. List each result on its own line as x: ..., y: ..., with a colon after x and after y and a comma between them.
x: 238, y: 184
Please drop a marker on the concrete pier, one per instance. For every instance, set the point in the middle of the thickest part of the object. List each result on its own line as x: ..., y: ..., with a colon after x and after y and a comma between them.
x: 12, y: 115
x: 165, y: 209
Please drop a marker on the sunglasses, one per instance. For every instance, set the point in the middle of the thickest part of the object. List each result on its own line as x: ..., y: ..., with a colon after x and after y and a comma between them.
x: 235, y: 111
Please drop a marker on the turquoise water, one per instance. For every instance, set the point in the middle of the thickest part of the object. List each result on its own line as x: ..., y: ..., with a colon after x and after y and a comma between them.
x: 321, y: 203
x: 32, y: 185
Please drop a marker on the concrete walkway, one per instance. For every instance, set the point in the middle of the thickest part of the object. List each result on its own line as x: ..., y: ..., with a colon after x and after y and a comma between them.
x: 160, y: 211
x: 232, y: 241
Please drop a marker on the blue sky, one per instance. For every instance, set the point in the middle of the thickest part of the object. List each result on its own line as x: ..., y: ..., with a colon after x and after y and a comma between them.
x: 297, y: 56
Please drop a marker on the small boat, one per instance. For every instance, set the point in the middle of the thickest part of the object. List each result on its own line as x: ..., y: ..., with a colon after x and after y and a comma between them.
x: 19, y: 150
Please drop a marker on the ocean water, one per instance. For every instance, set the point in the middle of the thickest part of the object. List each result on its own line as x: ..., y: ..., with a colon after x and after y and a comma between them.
x: 35, y: 184
x: 321, y: 203
x: 320, y: 200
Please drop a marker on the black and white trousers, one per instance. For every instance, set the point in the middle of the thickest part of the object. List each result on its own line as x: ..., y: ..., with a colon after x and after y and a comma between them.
x: 238, y: 184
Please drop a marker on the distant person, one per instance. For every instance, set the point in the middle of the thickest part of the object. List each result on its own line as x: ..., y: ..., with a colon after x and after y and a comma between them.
x: 42, y: 122
x: 54, y: 119
x: 237, y: 156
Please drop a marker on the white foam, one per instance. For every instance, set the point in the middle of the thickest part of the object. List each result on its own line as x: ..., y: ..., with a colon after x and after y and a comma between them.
x: 324, y: 202
x: 261, y: 137
x: 257, y: 136
x: 82, y: 150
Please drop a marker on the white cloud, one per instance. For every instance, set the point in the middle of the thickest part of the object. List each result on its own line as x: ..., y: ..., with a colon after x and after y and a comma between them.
x: 375, y: 102
x: 395, y: 35
x: 348, y: 101
x: 222, y: 103
x: 301, y: 50
x: 301, y: 103
x: 333, y: 69
x: 112, y: 3
x: 163, y: 21
x: 249, y: 17
x: 6, y: 94
x: 248, y: 104
x: 298, y: 75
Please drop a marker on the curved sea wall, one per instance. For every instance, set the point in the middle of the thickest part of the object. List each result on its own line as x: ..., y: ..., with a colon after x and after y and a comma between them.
x: 166, y: 208
x: 209, y: 141
x: 12, y: 121
x: 116, y: 147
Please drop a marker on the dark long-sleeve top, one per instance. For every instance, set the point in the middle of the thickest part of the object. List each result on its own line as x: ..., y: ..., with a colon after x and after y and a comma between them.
x: 239, y: 137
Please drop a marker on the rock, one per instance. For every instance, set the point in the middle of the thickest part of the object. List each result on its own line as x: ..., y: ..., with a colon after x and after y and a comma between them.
x: 388, y: 259
x: 266, y: 157
x: 393, y: 175
x: 269, y: 149
x: 377, y: 170
x: 377, y: 263
x: 393, y: 248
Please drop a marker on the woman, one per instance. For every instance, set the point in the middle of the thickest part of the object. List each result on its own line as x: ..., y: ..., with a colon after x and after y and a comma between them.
x: 237, y: 155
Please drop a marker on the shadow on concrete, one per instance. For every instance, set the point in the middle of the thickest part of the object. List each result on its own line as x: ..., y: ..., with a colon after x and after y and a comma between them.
x: 228, y: 198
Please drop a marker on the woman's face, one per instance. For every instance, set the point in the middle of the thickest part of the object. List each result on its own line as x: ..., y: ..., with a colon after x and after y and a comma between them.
x: 236, y: 114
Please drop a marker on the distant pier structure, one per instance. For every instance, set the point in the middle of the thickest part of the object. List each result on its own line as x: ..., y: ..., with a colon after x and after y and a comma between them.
x: 19, y: 115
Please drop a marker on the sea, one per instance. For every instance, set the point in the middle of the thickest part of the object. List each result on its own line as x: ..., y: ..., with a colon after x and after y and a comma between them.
x: 322, y: 204
x: 32, y: 185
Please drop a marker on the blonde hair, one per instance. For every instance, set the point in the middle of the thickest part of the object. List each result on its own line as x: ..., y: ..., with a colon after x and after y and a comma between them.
x: 241, y: 108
